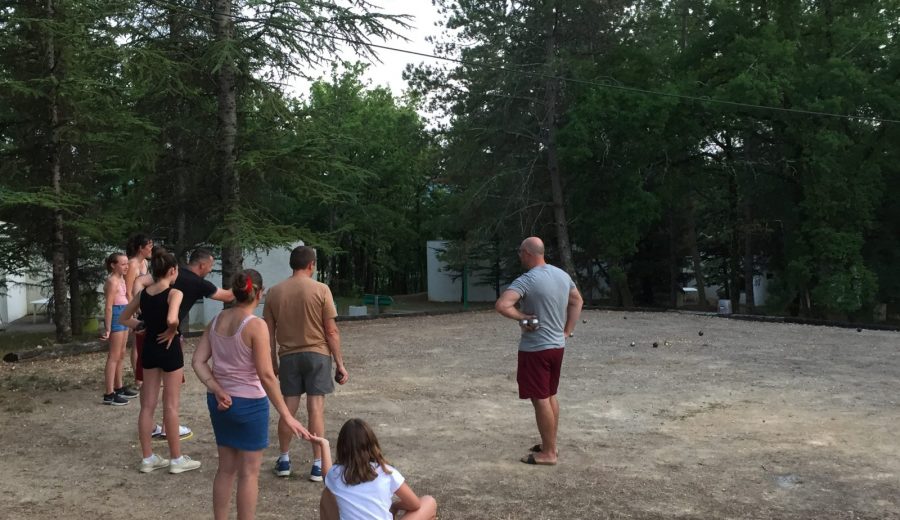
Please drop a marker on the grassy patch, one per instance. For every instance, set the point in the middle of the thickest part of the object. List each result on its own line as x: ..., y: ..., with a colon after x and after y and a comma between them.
x: 29, y: 383
x: 19, y: 341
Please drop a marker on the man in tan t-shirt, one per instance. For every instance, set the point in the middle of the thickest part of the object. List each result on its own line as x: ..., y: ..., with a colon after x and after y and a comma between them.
x: 300, y: 314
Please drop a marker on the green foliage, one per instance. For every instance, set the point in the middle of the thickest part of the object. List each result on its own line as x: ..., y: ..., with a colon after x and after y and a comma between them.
x: 798, y: 196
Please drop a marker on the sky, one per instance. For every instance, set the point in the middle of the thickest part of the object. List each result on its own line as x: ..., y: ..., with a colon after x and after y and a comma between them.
x: 389, y: 72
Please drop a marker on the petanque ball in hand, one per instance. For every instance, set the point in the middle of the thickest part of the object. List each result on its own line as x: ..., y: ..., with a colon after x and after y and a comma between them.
x: 337, y: 378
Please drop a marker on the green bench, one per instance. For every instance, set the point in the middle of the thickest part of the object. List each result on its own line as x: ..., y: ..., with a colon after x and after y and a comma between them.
x: 378, y: 300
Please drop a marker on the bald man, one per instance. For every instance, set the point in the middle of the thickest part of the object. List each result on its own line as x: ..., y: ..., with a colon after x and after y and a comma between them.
x: 547, y: 293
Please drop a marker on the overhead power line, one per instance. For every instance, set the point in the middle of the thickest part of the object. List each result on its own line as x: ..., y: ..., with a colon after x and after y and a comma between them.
x: 540, y: 75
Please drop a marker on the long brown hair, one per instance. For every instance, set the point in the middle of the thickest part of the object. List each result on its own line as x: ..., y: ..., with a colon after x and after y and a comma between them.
x: 357, y: 450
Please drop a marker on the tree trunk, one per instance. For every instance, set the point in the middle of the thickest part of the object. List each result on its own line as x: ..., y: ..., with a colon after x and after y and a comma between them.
x: 697, y: 261
x: 181, y: 203
x: 232, y: 260
x: 621, y: 291
x: 734, y: 248
x: 61, y: 317
x: 77, y: 309
x: 551, y: 101
x: 674, y: 264
x: 748, y: 259
x: 179, y: 144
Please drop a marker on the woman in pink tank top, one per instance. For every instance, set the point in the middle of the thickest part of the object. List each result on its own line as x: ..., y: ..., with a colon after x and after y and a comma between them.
x: 238, y: 382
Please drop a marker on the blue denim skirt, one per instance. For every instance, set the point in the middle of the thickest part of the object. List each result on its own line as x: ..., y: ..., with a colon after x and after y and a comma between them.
x: 244, y: 426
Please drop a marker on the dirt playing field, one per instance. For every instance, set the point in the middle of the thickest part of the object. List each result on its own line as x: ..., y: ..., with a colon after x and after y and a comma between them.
x: 751, y: 420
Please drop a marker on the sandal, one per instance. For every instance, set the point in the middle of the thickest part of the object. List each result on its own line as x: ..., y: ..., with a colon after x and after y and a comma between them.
x: 534, y: 462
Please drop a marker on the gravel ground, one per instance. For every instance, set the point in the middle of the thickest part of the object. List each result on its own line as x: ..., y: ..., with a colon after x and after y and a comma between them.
x: 750, y: 420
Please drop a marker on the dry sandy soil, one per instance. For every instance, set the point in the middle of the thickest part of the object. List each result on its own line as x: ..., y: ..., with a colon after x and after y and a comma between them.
x: 751, y: 420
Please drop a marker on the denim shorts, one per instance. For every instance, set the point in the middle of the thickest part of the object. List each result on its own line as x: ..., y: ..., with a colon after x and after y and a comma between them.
x: 115, y: 326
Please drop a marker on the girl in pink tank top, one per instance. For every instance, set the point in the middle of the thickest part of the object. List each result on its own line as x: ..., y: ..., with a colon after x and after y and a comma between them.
x: 115, y: 392
x: 238, y: 382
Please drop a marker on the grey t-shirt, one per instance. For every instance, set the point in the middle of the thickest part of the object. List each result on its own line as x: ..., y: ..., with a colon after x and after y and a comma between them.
x: 545, y: 294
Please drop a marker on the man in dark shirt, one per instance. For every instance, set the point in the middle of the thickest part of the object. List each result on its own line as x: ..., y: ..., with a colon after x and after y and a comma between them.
x: 191, y: 281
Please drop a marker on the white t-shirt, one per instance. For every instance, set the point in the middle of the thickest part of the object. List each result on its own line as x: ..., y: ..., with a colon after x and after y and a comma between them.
x: 367, y: 501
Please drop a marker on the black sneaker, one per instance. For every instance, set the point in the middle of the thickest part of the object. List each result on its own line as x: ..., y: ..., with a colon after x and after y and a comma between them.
x: 114, y: 399
x: 126, y: 392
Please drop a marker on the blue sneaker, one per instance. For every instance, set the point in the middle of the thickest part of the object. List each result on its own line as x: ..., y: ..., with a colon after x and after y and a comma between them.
x: 315, y: 474
x: 283, y: 468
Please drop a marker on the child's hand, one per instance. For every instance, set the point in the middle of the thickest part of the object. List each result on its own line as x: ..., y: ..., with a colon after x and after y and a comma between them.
x: 104, y: 336
x: 167, y: 336
x: 321, y: 441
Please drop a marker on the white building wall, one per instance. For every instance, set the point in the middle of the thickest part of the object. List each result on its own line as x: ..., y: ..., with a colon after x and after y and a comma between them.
x: 441, y: 285
x: 760, y: 291
x: 15, y: 296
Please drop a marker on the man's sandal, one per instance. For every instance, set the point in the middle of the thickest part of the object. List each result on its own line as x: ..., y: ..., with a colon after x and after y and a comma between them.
x: 534, y: 462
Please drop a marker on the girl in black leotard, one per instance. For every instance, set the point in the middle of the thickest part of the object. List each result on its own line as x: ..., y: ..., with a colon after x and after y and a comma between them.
x: 162, y: 361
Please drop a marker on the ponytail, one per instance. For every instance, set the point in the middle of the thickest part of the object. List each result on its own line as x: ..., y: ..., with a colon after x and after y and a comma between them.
x: 161, y: 262
x: 246, y: 285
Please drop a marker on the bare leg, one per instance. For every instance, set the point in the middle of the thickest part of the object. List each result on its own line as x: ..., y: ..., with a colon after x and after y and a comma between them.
x: 427, y: 510
x: 224, y: 482
x: 546, y: 423
x: 328, y: 508
x: 171, y: 397
x: 149, y: 399
x: 284, y: 433
x: 248, y: 483
x: 554, y: 404
x: 113, y: 371
x: 315, y: 409
x: 132, y: 340
x: 119, y: 338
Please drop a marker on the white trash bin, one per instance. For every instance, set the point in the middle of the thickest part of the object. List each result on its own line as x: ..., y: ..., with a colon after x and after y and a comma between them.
x: 725, y: 307
x: 358, y: 310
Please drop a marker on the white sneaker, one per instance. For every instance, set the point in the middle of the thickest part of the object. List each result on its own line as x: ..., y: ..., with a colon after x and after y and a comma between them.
x: 186, y: 464
x: 156, y: 462
x: 184, y: 433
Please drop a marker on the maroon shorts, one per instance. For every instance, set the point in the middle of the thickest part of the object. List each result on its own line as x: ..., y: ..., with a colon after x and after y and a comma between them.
x: 538, y: 373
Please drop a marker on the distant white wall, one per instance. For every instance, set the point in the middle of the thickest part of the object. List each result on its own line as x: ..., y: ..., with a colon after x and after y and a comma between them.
x: 13, y: 302
x: 760, y: 291
x: 273, y: 265
x: 441, y: 285
x: 15, y: 296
